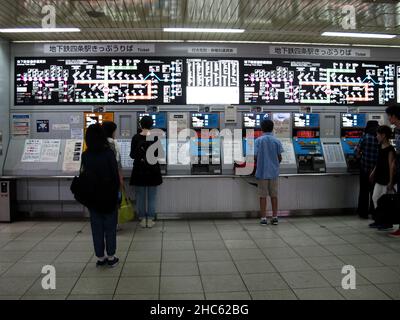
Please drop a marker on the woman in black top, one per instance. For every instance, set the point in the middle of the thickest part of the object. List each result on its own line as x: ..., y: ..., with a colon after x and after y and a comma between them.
x: 384, y: 172
x: 146, y: 172
x: 100, y: 166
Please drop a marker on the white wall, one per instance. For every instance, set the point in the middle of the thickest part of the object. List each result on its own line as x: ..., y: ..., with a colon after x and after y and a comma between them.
x: 4, y: 98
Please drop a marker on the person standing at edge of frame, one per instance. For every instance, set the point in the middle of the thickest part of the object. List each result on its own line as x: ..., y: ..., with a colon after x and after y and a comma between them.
x: 145, y: 177
x: 268, y: 152
x: 393, y: 113
x: 367, y: 149
x: 98, y: 162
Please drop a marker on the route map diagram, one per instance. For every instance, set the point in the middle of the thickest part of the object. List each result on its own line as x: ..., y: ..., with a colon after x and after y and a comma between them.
x: 278, y: 81
x: 102, y: 80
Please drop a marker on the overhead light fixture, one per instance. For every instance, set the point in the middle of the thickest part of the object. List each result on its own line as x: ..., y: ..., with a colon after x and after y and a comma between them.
x: 359, y: 35
x: 38, y: 30
x: 206, y: 30
x: 94, y: 41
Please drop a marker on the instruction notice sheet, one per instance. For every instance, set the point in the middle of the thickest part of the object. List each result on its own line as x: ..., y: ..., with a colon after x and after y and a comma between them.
x: 72, y: 155
x: 41, y: 150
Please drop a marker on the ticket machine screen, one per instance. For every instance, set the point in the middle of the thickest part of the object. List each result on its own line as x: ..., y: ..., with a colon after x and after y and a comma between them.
x: 353, y: 120
x: 306, y: 120
x: 205, y: 120
x: 159, y: 119
x: 253, y: 120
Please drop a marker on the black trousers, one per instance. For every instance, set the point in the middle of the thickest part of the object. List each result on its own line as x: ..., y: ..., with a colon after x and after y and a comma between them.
x: 365, y: 203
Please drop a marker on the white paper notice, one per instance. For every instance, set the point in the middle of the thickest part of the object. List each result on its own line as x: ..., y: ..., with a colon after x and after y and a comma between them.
x: 72, y: 155
x: 125, y: 149
x: 288, y: 156
x: 32, y: 150
x: 50, y: 150
x: 333, y: 152
x: 60, y: 126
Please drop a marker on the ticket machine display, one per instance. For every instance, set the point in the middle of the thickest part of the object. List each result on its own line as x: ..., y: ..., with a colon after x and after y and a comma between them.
x: 159, y: 122
x: 205, y: 149
x: 307, y: 144
x: 352, y: 127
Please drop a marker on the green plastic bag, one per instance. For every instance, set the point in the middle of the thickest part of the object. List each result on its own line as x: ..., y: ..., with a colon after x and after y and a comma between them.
x: 125, y: 211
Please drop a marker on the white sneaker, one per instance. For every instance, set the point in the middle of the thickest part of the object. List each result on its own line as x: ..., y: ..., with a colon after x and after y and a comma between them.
x: 143, y: 223
x: 150, y: 223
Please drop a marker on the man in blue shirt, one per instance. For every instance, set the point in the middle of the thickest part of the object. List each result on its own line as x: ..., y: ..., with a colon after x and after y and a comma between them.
x: 268, y: 150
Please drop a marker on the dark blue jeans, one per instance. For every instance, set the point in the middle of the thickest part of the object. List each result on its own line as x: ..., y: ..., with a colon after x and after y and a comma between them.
x: 104, y: 232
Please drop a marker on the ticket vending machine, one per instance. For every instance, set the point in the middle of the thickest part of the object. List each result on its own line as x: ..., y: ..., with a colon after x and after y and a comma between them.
x: 205, y: 148
x: 307, y: 144
x: 351, y: 130
x: 159, y: 122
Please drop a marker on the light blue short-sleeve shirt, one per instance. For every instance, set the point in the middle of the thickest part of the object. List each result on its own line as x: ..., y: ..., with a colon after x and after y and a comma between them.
x: 267, y: 149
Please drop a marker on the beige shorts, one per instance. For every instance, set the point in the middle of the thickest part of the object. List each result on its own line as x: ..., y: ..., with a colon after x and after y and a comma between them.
x: 268, y: 188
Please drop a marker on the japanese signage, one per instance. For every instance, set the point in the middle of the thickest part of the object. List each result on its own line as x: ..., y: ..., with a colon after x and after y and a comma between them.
x: 319, y: 51
x: 88, y: 48
x: 216, y: 50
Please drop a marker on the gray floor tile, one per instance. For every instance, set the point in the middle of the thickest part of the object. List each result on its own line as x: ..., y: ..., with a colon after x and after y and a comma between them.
x: 357, y: 238
x: 179, y: 269
x: 378, y: 275
x: 254, y: 266
x: 182, y: 296
x: 146, y: 245
x: 144, y: 256
x: 271, y: 243
x: 374, y: 248
x: 19, y: 245
x: 48, y: 297
x: 217, y: 268
x: 240, y: 244
x: 95, y: 286
x: 206, y: 236
x: 69, y: 269
x: 312, y: 251
x: 235, y: 235
x: 213, y: 255
x: 329, y: 240
x: 209, y: 245
x: 391, y: 289
x: 305, y: 279
x: 264, y: 282
x: 136, y: 297
x: 90, y: 297
x: 264, y: 233
x: 177, y: 236
x: 360, y: 261
x: 91, y: 271
x: 334, y: 277
x: 24, y: 269
x: 46, y: 245
x: 181, y: 284
x: 273, y: 295
x: 343, y: 249
x: 280, y: 253
x: 363, y: 292
x: 15, y: 286
x: 228, y: 296
x: 229, y: 283
x: 80, y: 246
x: 74, y: 256
x: 4, y: 266
x: 300, y: 241
x: 138, y: 269
x: 291, y: 264
x: 179, y: 255
x: 11, y: 256
x: 44, y: 257
x: 388, y: 259
x: 138, y: 285
x: 63, y: 287
x: 246, y: 254
x: 318, y: 294
x: 325, y: 263
x: 178, y: 245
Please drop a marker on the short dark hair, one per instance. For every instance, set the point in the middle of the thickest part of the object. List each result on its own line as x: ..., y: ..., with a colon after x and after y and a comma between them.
x: 109, y: 128
x: 372, y: 126
x: 146, y: 122
x: 267, y: 125
x: 393, y: 110
x: 95, y: 138
x: 386, y: 130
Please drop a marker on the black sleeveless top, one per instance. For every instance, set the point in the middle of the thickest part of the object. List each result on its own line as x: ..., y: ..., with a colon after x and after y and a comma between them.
x: 382, y: 173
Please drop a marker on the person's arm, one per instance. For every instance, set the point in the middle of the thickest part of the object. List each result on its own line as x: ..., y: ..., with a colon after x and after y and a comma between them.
x: 280, y: 151
x: 360, y: 147
x: 392, y: 168
x: 372, y: 175
x: 133, y: 148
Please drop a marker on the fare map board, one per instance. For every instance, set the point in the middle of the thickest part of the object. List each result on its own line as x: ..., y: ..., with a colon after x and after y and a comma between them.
x: 102, y: 80
x: 180, y: 81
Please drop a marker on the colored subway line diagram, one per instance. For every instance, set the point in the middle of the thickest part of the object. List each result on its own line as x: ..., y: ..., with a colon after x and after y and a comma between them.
x: 290, y: 82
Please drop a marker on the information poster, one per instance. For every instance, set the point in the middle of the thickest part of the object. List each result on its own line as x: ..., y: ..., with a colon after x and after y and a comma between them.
x: 32, y: 150
x: 50, y: 150
x: 333, y: 153
x: 288, y: 156
x: 72, y: 155
x: 125, y: 149
x: 20, y: 124
x: 282, y: 124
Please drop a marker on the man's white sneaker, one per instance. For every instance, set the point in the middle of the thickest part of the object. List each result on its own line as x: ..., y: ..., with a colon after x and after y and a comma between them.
x: 150, y: 223
x: 143, y: 223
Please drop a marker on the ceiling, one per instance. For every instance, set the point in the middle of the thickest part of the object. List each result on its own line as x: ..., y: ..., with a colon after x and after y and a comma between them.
x: 263, y: 20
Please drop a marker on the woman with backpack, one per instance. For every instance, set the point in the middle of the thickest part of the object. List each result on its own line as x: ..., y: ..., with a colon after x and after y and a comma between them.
x: 100, y: 172
x: 146, y: 172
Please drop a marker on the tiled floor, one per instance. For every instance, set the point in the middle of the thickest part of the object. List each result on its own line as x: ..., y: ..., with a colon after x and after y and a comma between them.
x: 302, y: 258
